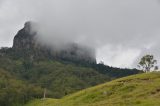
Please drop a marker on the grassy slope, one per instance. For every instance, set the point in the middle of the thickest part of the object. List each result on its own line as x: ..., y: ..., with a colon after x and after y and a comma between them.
x: 136, y: 90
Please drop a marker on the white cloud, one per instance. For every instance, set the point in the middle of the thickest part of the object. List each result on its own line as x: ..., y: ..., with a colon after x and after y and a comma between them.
x: 118, y: 56
x: 103, y: 24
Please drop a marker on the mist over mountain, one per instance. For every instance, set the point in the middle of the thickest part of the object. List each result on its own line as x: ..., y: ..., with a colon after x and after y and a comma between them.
x: 28, y: 39
x: 113, y: 28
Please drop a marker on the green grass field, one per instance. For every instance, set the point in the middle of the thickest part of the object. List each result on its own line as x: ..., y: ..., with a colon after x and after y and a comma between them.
x: 136, y: 90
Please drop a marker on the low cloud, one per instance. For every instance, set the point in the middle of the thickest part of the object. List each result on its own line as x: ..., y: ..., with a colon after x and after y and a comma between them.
x: 120, y: 30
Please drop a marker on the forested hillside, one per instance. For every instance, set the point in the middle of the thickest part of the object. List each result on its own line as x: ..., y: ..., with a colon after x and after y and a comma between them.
x: 15, y: 92
x: 59, y: 77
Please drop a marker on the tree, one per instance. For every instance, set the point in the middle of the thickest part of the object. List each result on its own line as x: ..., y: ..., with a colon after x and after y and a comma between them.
x: 156, y: 68
x: 147, y: 63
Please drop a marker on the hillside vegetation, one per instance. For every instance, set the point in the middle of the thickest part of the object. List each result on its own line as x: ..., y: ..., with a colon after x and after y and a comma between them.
x: 136, y: 90
x: 16, y: 92
x: 59, y: 78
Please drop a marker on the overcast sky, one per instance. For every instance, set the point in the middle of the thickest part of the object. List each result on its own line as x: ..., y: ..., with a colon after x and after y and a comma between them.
x: 121, y: 31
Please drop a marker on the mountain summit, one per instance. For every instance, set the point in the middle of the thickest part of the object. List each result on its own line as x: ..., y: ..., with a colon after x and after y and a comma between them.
x: 26, y: 40
x: 25, y: 37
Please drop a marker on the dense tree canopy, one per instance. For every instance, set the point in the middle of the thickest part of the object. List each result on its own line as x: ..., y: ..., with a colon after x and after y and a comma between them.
x: 60, y: 77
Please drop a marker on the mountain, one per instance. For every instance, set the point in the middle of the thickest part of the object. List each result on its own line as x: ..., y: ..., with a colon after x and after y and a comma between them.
x: 27, y: 40
x: 136, y: 90
x: 61, y: 72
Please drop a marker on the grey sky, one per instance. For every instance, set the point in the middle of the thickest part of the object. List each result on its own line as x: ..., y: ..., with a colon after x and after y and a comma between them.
x: 120, y: 30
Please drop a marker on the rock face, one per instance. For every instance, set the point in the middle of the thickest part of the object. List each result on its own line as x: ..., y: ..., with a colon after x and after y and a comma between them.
x: 25, y: 38
x: 25, y: 41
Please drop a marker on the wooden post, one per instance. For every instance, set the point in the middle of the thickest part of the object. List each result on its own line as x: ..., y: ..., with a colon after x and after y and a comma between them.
x: 44, y: 94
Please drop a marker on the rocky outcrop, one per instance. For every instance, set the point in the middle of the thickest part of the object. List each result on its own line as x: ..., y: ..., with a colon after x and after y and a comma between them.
x: 25, y: 41
x: 25, y: 38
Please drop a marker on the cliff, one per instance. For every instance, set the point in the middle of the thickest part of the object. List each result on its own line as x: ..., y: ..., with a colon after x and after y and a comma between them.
x: 26, y: 41
x: 25, y: 37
